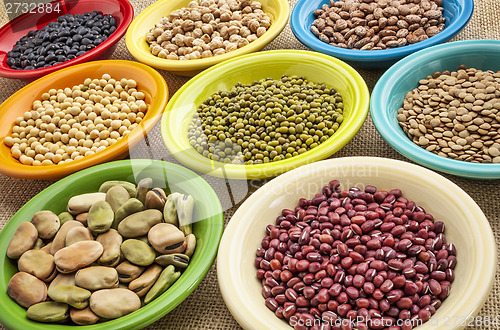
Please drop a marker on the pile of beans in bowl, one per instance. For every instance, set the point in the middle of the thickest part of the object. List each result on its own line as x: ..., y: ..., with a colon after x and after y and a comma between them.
x: 66, y: 38
x: 363, y: 259
x: 377, y: 24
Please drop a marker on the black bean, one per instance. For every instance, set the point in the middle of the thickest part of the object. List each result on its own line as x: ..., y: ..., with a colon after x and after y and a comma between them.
x: 29, y: 67
x: 80, y: 53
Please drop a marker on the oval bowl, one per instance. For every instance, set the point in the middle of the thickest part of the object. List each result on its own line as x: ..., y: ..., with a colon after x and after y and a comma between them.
x: 207, y: 229
x: 148, y: 79
x: 390, y: 90
x: 245, y: 69
x: 11, y: 32
x: 466, y: 226
x: 135, y: 39
x: 456, y: 12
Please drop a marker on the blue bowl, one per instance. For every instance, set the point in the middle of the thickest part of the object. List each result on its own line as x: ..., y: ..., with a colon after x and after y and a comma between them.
x: 389, y: 92
x: 456, y: 12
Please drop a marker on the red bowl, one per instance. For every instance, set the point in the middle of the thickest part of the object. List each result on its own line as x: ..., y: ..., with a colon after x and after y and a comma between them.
x: 11, y: 32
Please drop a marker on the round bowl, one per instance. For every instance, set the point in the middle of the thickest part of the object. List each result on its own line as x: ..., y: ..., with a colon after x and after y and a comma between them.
x: 466, y: 226
x: 11, y: 32
x: 390, y: 90
x: 207, y: 228
x: 456, y: 12
x: 246, y: 69
x: 135, y: 39
x: 148, y: 79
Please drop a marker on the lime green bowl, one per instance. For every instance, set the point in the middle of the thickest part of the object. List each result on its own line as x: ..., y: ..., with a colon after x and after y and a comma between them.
x: 207, y: 229
x: 315, y: 67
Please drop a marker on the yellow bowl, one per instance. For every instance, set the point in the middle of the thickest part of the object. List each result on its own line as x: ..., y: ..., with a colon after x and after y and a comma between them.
x: 246, y: 69
x: 148, y: 80
x: 135, y: 38
x: 466, y: 227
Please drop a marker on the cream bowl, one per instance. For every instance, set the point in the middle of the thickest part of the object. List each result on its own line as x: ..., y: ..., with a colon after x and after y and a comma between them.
x: 466, y: 227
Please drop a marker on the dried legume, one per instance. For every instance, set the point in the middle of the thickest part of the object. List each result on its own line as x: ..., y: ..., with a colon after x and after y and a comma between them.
x: 208, y: 28
x: 377, y: 24
x: 66, y: 38
x: 265, y: 121
x: 370, y: 257
x: 69, y: 124
x: 95, y: 267
x: 455, y: 115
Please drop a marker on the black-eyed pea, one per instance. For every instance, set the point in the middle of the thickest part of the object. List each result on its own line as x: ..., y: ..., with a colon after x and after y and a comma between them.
x: 48, y: 312
x: 72, y: 295
x: 83, y: 316
x: 47, y: 224
x: 145, y: 281
x: 114, y: 303
x: 23, y: 240
x: 38, y: 263
x: 26, y: 290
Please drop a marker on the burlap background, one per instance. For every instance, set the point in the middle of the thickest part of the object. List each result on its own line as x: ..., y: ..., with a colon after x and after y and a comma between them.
x: 205, y: 308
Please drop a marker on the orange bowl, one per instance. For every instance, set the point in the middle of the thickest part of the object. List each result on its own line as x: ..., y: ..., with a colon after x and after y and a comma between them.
x: 148, y: 80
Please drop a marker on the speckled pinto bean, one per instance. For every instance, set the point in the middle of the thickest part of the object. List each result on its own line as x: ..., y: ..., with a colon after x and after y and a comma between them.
x: 355, y: 259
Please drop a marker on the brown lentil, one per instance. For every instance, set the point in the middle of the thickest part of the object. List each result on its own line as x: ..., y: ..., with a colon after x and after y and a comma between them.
x: 377, y: 24
x: 208, y: 28
x: 265, y: 121
x: 364, y: 256
x: 459, y: 114
x: 66, y: 125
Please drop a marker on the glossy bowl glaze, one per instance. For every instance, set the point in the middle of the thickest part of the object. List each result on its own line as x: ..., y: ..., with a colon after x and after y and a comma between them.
x: 148, y: 80
x: 208, y: 227
x: 246, y: 69
x: 466, y: 227
x: 390, y: 90
x: 278, y: 10
x: 11, y: 32
x: 456, y: 12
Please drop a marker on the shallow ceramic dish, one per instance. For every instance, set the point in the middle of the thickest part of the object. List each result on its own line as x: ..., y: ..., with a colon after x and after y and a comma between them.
x: 207, y: 229
x: 245, y: 69
x: 390, y: 90
x: 11, y: 32
x: 456, y: 12
x: 135, y: 39
x: 466, y: 226
x: 148, y: 80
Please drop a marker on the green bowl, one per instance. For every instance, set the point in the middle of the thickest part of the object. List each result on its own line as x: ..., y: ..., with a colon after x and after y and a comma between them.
x: 207, y: 228
x: 315, y: 67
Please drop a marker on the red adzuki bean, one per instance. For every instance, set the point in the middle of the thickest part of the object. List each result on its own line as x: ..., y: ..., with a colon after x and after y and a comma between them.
x: 368, y: 255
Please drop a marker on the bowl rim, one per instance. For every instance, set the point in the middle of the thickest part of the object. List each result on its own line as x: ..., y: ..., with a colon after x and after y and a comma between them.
x: 199, y: 163
x: 305, y: 36
x: 128, y: 15
x: 148, y: 315
x: 229, y: 247
x: 116, y: 150
x: 191, y: 65
x: 393, y: 134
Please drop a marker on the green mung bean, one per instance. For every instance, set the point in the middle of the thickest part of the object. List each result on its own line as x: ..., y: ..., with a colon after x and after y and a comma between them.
x: 265, y: 121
